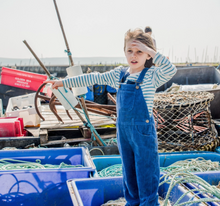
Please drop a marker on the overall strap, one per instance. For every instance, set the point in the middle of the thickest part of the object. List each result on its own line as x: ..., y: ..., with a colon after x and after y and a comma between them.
x: 123, y: 75
x: 141, y: 77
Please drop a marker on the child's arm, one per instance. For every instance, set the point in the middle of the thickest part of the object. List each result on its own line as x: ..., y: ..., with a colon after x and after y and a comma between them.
x: 163, y: 71
x: 106, y: 78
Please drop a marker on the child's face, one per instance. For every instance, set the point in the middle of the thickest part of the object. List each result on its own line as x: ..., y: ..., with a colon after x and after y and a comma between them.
x: 135, y: 57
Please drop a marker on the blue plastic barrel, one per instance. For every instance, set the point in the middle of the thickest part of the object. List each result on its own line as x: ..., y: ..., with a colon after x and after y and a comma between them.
x: 90, y: 94
x: 34, y: 187
x: 96, y: 191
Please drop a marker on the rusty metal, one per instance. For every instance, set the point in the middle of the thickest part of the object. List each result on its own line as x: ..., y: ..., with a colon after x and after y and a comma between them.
x: 112, y: 98
x: 42, y: 97
x: 110, y: 107
x: 39, y: 61
x: 84, y: 107
x: 53, y: 108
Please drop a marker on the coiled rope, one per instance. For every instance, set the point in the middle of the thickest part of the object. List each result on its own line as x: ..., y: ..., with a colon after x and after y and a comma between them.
x: 194, y: 165
x: 12, y: 164
x: 114, y: 170
x: 182, y: 176
x: 191, y: 165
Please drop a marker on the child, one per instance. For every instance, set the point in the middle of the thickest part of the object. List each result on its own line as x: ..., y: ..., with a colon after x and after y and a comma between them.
x: 136, y: 134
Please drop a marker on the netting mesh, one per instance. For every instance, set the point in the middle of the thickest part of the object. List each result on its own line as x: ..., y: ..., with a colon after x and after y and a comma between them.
x: 183, y: 121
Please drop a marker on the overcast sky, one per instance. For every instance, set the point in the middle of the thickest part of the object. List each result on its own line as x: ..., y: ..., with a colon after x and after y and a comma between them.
x: 96, y: 28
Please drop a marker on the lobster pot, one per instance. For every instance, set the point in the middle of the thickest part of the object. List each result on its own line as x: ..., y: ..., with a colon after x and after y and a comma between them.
x: 183, y: 121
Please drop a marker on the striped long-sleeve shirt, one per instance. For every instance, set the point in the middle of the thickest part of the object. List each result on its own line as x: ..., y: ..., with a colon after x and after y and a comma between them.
x: 154, y: 78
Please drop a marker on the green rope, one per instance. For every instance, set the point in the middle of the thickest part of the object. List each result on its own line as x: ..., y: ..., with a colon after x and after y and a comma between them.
x: 111, y: 141
x: 194, y: 165
x: 13, y: 164
x: 180, y: 173
x: 191, y: 165
x: 182, y: 176
x: 114, y: 170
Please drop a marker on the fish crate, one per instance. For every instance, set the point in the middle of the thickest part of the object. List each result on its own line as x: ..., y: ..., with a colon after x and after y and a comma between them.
x: 22, y: 79
x: 23, y: 106
x: 166, y: 160
x: 36, y: 187
x: 12, y: 127
x: 104, y: 162
x: 213, y: 178
x: 97, y: 191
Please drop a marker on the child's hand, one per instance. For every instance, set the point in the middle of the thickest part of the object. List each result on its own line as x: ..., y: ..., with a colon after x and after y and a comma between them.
x: 144, y: 48
x: 55, y: 83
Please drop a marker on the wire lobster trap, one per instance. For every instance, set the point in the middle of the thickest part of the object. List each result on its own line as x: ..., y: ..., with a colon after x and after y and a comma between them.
x: 183, y: 121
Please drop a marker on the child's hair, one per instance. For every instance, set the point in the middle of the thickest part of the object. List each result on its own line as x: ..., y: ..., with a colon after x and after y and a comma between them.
x: 147, y: 29
x: 139, y: 35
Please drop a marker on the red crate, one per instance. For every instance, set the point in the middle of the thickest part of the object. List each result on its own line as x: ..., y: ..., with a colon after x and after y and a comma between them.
x: 22, y: 79
x: 11, y: 127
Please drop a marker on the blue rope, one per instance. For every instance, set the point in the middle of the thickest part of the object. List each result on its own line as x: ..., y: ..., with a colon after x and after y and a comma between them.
x: 68, y: 53
x: 89, y: 125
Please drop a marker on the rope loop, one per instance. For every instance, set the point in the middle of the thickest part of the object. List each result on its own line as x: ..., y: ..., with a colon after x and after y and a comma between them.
x: 68, y: 52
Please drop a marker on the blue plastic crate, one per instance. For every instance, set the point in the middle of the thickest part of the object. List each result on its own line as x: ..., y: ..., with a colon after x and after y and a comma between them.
x: 213, y: 178
x: 97, y: 191
x: 42, y: 186
x: 166, y: 159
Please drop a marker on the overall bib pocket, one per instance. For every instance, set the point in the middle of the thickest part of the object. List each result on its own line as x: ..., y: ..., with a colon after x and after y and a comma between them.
x: 126, y: 101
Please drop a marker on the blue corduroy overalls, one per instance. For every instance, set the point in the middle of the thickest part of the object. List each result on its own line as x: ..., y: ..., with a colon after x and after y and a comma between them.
x: 137, y: 142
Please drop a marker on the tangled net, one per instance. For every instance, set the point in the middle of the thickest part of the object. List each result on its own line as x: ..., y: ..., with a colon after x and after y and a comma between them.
x: 183, y: 121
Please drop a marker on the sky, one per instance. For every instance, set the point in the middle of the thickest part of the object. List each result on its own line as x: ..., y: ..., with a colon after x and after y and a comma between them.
x: 185, y: 30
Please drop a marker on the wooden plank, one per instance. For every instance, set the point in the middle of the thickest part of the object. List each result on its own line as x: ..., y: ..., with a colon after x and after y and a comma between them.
x: 52, y: 122
x: 43, y: 136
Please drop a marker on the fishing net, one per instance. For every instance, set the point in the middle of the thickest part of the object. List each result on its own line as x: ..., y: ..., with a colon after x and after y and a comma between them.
x: 183, y: 121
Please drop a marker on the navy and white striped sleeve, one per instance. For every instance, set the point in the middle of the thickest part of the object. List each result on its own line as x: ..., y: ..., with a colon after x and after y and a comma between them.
x: 163, y: 71
x: 107, y: 78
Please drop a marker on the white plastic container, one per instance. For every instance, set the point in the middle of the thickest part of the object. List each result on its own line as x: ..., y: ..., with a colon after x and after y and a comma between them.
x: 65, y: 97
x: 76, y: 71
x: 29, y: 115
